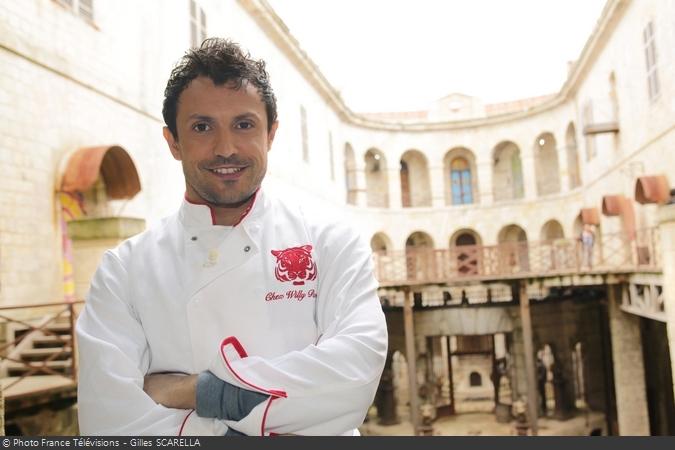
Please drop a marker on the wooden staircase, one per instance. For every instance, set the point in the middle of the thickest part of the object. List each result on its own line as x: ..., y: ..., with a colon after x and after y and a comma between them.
x: 47, y: 351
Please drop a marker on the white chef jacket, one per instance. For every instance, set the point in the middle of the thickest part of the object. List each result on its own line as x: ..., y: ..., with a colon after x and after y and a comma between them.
x: 187, y: 296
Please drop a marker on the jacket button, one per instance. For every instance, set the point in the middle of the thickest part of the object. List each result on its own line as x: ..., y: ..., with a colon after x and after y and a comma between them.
x: 194, y: 238
x: 247, y: 248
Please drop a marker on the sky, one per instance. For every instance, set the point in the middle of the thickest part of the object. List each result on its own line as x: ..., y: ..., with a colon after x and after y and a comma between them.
x: 402, y: 55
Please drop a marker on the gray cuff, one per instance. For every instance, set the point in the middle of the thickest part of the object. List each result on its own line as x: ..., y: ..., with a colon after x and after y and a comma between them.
x: 209, y: 395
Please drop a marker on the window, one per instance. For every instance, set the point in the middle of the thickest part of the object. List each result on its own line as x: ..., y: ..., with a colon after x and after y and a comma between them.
x: 650, y: 57
x: 475, y: 379
x: 303, y: 131
x: 461, y: 185
x: 197, y: 24
x: 83, y: 8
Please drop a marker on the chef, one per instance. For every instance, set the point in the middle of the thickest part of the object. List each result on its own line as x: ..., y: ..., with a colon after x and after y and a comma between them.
x: 239, y: 314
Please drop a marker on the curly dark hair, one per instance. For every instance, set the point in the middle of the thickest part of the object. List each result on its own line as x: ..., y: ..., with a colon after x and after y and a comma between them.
x: 223, y: 61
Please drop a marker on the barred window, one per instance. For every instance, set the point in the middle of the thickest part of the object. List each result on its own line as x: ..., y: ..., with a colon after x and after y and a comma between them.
x: 82, y: 8
x: 197, y: 24
x: 649, y: 39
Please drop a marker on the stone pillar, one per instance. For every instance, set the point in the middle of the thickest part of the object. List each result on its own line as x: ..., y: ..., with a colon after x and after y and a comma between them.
x: 666, y: 218
x: 91, y: 238
x: 361, y: 187
x: 484, y: 187
x: 394, y: 182
x: 528, y: 347
x: 629, y: 372
x: 437, y: 186
x: 529, y: 174
x: 563, y: 167
x: 411, y: 358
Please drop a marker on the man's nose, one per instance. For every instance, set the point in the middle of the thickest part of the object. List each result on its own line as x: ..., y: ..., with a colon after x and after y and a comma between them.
x: 224, y: 145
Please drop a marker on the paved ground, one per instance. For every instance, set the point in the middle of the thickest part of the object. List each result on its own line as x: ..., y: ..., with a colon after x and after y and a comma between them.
x: 484, y: 424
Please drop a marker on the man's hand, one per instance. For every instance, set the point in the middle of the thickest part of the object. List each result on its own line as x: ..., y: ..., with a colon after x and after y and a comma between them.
x: 172, y: 391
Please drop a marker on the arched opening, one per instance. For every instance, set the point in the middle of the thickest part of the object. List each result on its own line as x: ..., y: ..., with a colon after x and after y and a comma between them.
x: 415, y: 185
x: 551, y: 231
x: 546, y: 164
x: 377, y: 189
x: 572, y: 156
x: 380, y: 243
x: 465, y: 244
x: 420, y: 262
x: 350, y: 174
x: 475, y: 380
x: 545, y: 363
x: 507, y: 172
x: 95, y: 186
x: 555, y: 251
x: 461, y: 185
x: 513, y: 249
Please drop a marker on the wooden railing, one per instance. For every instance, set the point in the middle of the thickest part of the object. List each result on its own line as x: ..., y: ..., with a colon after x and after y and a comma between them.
x: 24, y: 325
x: 609, y: 253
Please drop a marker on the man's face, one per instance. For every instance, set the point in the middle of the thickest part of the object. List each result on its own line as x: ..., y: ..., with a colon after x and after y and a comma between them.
x: 222, y: 141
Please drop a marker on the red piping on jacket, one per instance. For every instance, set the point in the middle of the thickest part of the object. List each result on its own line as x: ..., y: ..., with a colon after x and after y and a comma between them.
x: 242, y: 353
x: 182, y: 425
x: 264, y: 419
x: 213, y: 212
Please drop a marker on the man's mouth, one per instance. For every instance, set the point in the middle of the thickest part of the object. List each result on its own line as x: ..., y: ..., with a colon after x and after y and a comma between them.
x: 227, y: 170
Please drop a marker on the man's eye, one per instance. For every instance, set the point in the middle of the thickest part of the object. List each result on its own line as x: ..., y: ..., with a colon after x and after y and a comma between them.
x: 201, y: 127
x: 244, y: 125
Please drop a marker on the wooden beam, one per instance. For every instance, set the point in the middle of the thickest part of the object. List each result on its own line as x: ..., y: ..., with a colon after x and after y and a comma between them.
x: 411, y: 357
x: 528, y: 347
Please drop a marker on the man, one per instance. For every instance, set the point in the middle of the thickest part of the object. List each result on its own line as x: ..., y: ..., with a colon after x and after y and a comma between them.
x: 239, y: 314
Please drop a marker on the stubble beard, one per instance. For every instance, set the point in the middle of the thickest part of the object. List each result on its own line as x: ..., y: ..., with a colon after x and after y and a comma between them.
x: 227, y: 199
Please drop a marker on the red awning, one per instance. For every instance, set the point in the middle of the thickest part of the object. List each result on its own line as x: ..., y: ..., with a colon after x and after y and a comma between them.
x: 652, y: 189
x: 113, y: 163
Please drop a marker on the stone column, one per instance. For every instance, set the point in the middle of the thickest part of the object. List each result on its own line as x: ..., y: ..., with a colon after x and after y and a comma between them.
x: 484, y: 177
x: 529, y: 174
x: 666, y: 218
x: 629, y: 372
x: 437, y: 186
x: 563, y: 168
x: 394, y: 182
x: 411, y: 358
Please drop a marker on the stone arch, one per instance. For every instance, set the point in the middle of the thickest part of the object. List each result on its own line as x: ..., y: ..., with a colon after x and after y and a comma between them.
x: 466, y: 251
x: 551, y: 231
x: 420, y: 262
x: 572, y: 151
x: 460, y: 177
x: 380, y: 243
x: 554, y: 251
x: 513, y: 249
x: 546, y: 164
x: 350, y: 174
x: 507, y: 172
x: 415, y: 182
x: 377, y: 187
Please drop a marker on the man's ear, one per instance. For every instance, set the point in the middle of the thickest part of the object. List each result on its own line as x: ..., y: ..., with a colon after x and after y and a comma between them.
x: 172, y: 143
x: 271, y: 134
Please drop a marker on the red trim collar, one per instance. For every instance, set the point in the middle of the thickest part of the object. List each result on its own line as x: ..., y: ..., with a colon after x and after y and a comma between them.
x: 213, y: 212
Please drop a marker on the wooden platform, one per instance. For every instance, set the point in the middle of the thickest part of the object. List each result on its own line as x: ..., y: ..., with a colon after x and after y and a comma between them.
x: 38, y: 385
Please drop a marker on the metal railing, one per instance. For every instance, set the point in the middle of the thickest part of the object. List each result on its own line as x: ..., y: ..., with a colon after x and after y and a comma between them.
x: 610, y: 253
x: 24, y: 324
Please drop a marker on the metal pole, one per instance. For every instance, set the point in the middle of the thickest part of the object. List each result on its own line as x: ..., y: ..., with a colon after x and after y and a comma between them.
x: 529, y: 357
x: 411, y: 358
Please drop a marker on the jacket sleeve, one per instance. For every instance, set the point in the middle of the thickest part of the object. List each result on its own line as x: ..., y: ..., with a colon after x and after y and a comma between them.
x: 113, y: 360
x: 326, y: 388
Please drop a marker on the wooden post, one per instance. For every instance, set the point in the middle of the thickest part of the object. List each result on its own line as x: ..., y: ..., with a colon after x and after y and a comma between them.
x: 411, y: 358
x: 526, y: 320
